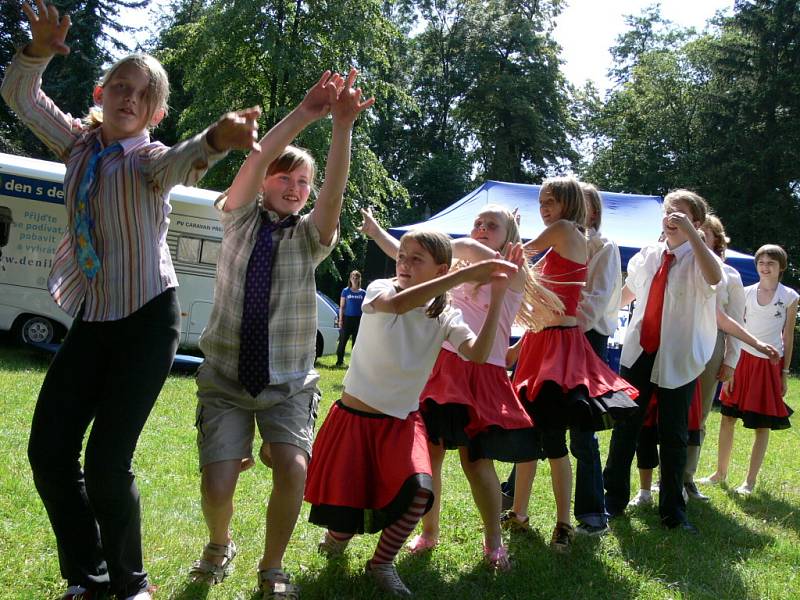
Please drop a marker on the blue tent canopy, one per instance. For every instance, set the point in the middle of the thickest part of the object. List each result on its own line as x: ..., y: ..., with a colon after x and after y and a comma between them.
x: 631, y: 220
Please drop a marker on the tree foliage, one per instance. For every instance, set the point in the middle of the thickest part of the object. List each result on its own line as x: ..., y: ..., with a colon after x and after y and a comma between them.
x: 718, y: 112
x: 93, y: 40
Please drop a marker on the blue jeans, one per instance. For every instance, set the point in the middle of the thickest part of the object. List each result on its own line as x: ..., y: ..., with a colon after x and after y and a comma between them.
x: 590, y: 505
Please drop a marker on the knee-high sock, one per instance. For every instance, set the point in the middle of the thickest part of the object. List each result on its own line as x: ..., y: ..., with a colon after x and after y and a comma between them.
x: 394, y: 536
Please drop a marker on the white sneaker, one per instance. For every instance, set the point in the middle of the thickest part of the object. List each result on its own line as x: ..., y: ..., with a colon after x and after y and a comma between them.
x: 642, y: 498
x: 744, y: 490
x: 143, y: 595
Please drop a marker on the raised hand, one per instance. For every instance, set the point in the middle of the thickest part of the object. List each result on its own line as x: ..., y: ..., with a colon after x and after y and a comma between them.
x: 348, y: 105
x: 679, y: 220
x: 236, y: 130
x: 318, y: 100
x: 48, y: 30
x: 370, y: 226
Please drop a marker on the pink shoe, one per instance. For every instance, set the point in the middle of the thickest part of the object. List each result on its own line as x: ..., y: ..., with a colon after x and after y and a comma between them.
x: 497, y: 559
x: 419, y: 545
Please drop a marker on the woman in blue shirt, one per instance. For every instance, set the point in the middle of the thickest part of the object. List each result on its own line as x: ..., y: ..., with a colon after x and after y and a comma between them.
x: 349, y: 314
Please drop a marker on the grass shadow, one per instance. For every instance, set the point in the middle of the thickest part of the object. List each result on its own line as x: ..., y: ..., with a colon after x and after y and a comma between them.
x: 769, y: 508
x: 690, y: 565
x: 192, y: 590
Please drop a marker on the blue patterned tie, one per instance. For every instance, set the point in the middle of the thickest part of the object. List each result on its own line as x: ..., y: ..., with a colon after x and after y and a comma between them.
x: 88, y: 260
x: 254, y: 336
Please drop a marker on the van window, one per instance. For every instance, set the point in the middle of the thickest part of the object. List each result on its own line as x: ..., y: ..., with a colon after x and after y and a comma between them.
x: 189, y: 249
x: 209, y: 252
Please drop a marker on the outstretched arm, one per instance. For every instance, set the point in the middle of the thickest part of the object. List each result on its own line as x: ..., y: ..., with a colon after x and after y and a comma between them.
x: 315, y: 105
x: 378, y: 234
x: 345, y: 111
x: 417, y: 295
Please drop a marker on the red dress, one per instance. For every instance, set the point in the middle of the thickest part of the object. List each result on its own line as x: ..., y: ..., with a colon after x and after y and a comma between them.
x: 584, y: 392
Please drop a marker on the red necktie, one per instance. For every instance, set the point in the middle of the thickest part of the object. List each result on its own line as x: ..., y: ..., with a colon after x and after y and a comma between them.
x: 650, y: 337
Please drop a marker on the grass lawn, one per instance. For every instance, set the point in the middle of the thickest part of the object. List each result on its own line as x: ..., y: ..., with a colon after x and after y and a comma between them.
x: 748, y: 547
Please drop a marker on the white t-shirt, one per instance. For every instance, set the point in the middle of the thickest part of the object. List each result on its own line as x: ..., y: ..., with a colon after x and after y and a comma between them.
x: 688, y: 320
x: 394, y: 354
x: 599, y: 304
x: 767, y: 322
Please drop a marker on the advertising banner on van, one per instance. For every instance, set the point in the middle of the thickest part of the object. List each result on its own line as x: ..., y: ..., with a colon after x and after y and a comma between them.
x: 36, y: 228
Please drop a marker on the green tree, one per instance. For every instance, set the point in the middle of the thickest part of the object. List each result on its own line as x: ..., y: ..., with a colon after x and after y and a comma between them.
x: 233, y: 54
x: 93, y: 40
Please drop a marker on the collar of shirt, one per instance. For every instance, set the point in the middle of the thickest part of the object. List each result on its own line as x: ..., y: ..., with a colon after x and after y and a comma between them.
x: 128, y: 144
x: 679, y: 251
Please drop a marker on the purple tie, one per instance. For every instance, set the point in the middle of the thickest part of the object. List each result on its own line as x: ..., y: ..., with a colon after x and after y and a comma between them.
x: 254, y: 336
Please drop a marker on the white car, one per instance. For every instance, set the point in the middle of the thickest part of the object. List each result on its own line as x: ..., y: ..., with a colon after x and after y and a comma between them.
x: 327, y: 330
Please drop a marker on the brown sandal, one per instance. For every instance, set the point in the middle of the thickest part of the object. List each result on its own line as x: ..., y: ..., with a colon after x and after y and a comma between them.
x: 209, y: 572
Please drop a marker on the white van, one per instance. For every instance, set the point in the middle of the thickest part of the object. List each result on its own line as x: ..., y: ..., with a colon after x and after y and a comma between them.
x: 32, y: 196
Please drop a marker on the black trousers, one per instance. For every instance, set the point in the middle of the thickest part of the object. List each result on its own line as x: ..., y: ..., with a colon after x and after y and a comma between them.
x: 347, y: 330
x: 673, y: 435
x: 111, y: 373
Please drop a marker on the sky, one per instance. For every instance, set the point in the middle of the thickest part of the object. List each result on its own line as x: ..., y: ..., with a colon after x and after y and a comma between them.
x: 586, y: 29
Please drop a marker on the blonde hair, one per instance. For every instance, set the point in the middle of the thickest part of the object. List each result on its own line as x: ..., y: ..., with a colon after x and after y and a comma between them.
x: 438, y: 246
x: 774, y: 252
x: 592, y: 197
x: 539, y: 303
x: 157, y: 90
x: 293, y: 158
x: 567, y: 191
x: 720, y: 242
x: 696, y: 203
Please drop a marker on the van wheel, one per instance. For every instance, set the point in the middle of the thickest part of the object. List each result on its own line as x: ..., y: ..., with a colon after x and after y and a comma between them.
x: 320, y: 344
x: 36, y: 330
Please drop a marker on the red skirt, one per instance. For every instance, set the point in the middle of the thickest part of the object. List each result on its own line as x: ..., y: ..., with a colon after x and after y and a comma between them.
x: 593, y: 396
x: 756, y: 397
x: 366, y: 469
x: 695, y: 415
x: 475, y: 406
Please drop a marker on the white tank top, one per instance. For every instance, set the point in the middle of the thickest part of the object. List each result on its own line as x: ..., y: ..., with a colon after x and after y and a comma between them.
x: 767, y: 322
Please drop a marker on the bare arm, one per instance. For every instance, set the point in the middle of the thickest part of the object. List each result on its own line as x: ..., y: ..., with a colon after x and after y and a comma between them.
x: 372, y: 229
x: 731, y: 327
x: 314, y: 106
x: 417, y: 295
x: 328, y: 206
x: 627, y: 297
x: 788, y: 342
x: 477, y: 350
x: 550, y: 237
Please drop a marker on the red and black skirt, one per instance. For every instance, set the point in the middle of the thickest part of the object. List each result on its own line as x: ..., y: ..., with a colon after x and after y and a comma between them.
x: 588, y: 394
x: 756, y: 398
x: 366, y: 469
x: 471, y: 405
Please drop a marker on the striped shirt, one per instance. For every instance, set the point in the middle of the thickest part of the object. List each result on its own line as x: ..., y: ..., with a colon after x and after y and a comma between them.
x: 130, y: 207
x: 292, y: 300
